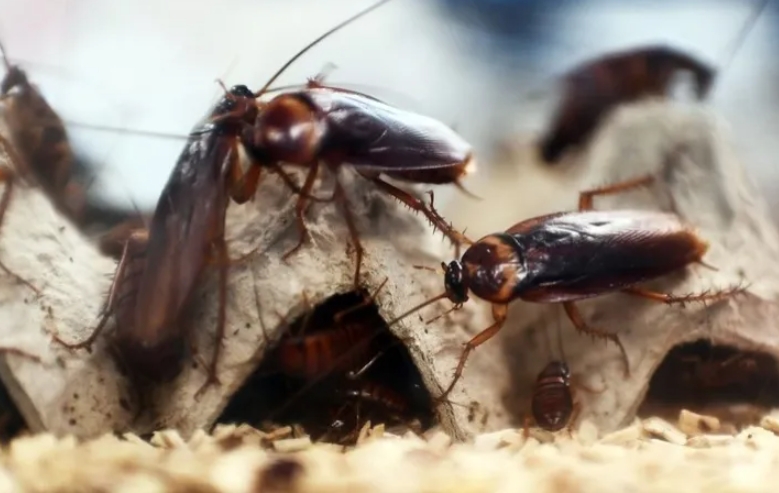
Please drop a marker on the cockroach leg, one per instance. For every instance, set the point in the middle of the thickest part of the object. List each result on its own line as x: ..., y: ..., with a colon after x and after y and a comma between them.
x: 585, y: 197
x: 300, y: 209
x: 343, y: 201
x: 430, y: 213
x: 671, y: 299
x: 221, y: 250
x: 135, y: 245
x: 371, y: 299
x: 8, y: 178
x: 499, y: 314
x: 354, y: 375
x: 578, y: 321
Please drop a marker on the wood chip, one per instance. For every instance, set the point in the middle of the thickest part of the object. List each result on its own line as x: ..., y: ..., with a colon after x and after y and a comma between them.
x: 695, y: 424
x: 659, y: 428
x: 292, y: 444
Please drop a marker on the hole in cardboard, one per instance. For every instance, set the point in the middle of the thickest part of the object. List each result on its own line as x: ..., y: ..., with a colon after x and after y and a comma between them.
x: 735, y: 385
x: 304, y: 377
x: 12, y: 424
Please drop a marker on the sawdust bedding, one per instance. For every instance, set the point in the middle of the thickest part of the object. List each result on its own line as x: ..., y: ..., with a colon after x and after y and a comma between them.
x: 650, y: 455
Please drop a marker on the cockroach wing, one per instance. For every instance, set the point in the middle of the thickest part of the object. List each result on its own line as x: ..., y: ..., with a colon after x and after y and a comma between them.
x: 583, y: 254
x: 185, y: 221
x: 375, y: 136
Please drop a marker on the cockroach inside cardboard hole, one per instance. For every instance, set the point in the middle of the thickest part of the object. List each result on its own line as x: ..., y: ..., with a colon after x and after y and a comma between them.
x: 333, y: 369
x: 737, y: 386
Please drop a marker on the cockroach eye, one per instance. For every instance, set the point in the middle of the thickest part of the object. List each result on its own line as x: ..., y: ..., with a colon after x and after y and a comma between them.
x: 455, y: 283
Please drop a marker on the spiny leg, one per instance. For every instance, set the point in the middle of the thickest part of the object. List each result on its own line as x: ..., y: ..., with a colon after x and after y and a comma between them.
x: 576, y: 318
x: 134, y: 246
x: 343, y: 201
x: 585, y: 197
x: 300, y: 207
x: 338, y: 317
x: 415, y: 204
x: 671, y: 299
x: 221, y: 250
x: 7, y: 177
x: 499, y: 314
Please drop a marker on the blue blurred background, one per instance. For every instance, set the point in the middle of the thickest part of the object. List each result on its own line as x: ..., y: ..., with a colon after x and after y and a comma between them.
x: 485, y: 66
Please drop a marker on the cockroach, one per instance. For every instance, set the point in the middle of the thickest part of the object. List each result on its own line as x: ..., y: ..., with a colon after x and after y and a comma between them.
x: 569, y: 256
x: 554, y: 405
x: 592, y: 90
x: 340, y: 347
x: 160, y: 267
x: 324, y: 125
x: 44, y: 155
x: 39, y: 135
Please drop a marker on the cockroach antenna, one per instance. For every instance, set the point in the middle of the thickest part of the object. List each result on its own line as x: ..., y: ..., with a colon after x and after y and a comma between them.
x: 315, y: 42
x: 743, y: 33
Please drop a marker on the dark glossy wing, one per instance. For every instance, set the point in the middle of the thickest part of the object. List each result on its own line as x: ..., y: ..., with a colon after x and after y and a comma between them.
x: 373, y: 135
x: 582, y: 254
x: 188, y: 214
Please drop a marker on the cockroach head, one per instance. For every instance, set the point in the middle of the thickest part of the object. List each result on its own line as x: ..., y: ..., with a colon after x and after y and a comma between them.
x: 14, y: 77
x: 455, y: 282
x: 237, y: 104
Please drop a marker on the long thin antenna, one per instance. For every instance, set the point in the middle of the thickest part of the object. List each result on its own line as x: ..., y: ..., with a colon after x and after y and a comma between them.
x: 315, y: 42
x: 6, y: 61
x: 738, y: 41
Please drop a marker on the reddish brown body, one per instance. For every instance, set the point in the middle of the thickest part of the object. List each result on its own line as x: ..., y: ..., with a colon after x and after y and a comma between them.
x: 553, y: 404
x: 328, y: 126
x: 160, y: 267
x: 43, y: 156
x: 570, y: 256
x: 387, y: 399
x: 337, y: 350
x: 575, y: 255
x: 593, y: 89
x: 187, y: 229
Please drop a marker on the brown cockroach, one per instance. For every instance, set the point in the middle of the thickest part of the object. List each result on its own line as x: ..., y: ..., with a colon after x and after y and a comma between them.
x: 592, y: 90
x: 569, y: 256
x: 342, y: 345
x: 554, y: 405
x: 324, y: 125
x: 160, y: 267
x: 43, y: 154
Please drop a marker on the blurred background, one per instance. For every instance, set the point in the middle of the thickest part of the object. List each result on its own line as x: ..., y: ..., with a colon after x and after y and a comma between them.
x: 486, y: 67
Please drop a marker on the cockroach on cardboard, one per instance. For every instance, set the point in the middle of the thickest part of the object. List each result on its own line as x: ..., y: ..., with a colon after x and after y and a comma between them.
x: 43, y: 156
x: 160, y: 267
x: 330, y: 126
x: 321, y: 125
x: 569, y: 256
x: 595, y: 88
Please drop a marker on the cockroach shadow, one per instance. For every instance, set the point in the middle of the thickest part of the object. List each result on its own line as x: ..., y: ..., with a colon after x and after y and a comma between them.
x: 333, y: 369
x: 738, y: 386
